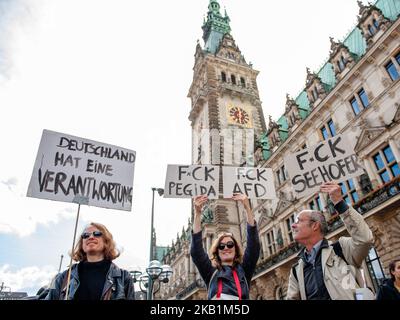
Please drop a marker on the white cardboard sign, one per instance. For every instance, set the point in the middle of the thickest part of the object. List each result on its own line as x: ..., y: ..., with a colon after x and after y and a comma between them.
x: 331, y: 160
x: 188, y: 181
x: 256, y: 183
x: 68, y: 168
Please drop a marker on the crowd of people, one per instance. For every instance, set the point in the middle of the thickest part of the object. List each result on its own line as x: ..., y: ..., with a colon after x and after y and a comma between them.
x: 325, y: 270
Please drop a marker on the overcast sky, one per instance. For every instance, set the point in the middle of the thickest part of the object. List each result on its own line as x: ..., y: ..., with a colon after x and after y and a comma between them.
x: 119, y: 72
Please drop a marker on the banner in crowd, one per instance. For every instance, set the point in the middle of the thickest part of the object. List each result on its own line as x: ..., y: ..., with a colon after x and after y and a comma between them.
x: 188, y: 181
x: 69, y: 168
x: 331, y: 160
x: 256, y: 183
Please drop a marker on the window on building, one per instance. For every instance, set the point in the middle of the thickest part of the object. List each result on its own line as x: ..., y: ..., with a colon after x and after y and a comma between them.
x: 233, y: 79
x: 393, y: 67
x: 375, y: 23
x: 371, y: 29
x: 359, y: 101
x: 315, y: 93
x: 271, y: 242
x: 328, y: 130
x: 355, y: 106
x: 375, y: 268
x: 280, y: 174
x: 386, y: 164
x: 341, y: 63
x: 392, y: 70
x: 243, y: 82
x: 363, y: 97
x: 223, y: 76
x: 315, y: 204
x: 289, y: 222
x: 349, y: 192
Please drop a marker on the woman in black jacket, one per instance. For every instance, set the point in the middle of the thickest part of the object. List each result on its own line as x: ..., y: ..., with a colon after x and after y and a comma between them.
x: 390, y: 290
x: 226, y: 271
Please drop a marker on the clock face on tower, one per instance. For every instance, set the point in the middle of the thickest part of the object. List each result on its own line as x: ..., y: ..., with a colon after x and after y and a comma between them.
x: 239, y: 116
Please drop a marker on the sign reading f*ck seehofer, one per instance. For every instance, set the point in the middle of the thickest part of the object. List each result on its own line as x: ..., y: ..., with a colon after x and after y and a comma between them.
x: 68, y: 167
x: 256, y: 183
x: 331, y: 160
x: 188, y: 181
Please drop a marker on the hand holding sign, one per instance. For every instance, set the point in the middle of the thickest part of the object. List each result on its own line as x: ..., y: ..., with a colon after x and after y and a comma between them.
x: 199, y: 202
x: 246, y: 204
x: 334, y: 191
x: 242, y: 198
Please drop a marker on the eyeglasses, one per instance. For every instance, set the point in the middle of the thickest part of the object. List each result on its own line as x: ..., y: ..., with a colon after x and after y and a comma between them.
x: 96, y: 234
x: 229, y: 245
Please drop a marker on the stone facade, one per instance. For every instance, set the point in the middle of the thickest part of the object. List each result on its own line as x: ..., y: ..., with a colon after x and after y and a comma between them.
x: 360, y: 97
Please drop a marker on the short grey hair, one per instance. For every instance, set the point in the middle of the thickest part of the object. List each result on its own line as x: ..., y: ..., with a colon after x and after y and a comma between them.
x: 318, y: 216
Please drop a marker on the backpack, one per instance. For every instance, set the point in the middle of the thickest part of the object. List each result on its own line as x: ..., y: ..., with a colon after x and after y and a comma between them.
x: 362, y: 293
x: 337, y: 248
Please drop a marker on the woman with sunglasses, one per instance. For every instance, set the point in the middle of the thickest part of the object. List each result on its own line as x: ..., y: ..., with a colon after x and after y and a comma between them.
x: 95, y: 276
x: 226, y: 271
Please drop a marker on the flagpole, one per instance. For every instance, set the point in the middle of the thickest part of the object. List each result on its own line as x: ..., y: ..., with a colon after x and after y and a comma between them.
x: 72, y: 253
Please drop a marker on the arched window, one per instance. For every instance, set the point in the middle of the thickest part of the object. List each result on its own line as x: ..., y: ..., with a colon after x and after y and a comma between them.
x: 371, y: 30
x: 315, y: 93
x: 223, y: 76
x: 233, y: 79
x: 341, y: 63
x: 375, y: 23
x: 243, y: 82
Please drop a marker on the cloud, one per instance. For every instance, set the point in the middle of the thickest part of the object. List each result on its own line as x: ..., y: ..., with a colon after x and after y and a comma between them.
x: 21, y: 215
x: 11, y: 182
x: 28, y: 279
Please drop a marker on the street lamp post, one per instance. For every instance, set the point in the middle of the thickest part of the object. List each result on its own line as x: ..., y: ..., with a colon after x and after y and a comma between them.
x: 154, y: 271
x: 155, y: 274
x: 160, y: 192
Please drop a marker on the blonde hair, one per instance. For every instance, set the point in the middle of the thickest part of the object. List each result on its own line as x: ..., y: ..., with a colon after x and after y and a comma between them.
x: 110, y: 251
x: 213, y: 252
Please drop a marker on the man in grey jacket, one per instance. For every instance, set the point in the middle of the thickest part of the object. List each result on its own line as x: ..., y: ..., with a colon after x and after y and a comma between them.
x: 325, y: 270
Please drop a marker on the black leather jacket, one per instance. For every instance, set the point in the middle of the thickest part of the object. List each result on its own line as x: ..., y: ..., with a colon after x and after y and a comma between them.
x: 118, y: 285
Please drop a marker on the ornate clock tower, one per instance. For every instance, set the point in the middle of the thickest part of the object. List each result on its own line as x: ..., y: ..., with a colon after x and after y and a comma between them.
x: 226, y: 114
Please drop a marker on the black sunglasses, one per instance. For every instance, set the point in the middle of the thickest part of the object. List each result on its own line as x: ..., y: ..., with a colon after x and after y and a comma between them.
x: 229, y: 245
x: 96, y: 234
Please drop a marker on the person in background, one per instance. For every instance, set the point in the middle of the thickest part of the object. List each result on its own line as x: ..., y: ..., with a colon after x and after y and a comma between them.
x: 390, y: 289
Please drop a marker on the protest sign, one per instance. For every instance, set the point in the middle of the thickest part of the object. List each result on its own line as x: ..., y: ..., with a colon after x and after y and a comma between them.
x: 256, y: 183
x: 188, y: 181
x: 331, y: 160
x: 68, y: 168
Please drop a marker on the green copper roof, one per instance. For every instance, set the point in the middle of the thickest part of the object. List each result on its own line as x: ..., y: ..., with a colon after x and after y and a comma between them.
x: 304, y: 104
x: 389, y: 8
x: 356, y: 43
x: 283, y: 130
x: 160, y: 253
x: 215, y: 27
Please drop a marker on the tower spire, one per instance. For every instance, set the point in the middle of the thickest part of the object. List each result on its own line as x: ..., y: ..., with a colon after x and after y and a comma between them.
x: 215, y: 27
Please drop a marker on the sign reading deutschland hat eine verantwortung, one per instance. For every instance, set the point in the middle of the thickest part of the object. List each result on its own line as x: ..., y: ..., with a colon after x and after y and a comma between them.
x: 69, y: 168
x: 331, y: 160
